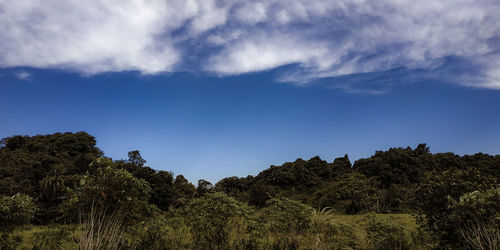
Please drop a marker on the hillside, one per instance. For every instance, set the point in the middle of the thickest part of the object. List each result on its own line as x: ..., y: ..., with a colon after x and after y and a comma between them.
x: 59, y: 179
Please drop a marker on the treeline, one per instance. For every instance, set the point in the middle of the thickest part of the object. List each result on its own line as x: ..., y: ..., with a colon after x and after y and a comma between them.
x: 61, y: 177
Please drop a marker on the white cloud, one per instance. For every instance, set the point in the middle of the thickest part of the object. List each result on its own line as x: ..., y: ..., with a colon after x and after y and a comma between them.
x: 252, y: 12
x: 265, y: 52
x: 208, y: 16
x: 88, y: 36
x: 23, y: 75
x: 323, y: 38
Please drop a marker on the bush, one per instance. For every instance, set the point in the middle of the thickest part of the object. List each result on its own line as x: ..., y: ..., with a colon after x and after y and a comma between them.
x: 52, y: 238
x: 110, y: 189
x: 101, y: 230
x: 352, y: 194
x: 160, y: 232
x: 329, y: 233
x: 477, y: 217
x: 285, y: 220
x: 15, y: 211
x: 383, y: 234
x: 10, y: 241
x: 287, y: 216
x: 209, y: 218
x: 449, y: 200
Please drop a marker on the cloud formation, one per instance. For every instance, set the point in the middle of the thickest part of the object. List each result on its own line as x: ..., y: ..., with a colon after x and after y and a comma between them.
x: 22, y: 75
x: 322, y: 39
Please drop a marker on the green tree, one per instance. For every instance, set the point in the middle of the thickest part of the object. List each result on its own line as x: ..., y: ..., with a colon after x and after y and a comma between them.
x: 286, y: 219
x: 15, y: 211
x: 184, y: 191
x: 203, y: 187
x: 476, y: 217
x: 352, y: 193
x: 437, y: 206
x: 45, y: 166
x: 209, y: 218
x: 112, y: 189
x: 135, y: 158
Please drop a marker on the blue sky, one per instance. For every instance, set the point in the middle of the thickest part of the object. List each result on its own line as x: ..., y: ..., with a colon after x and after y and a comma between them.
x: 211, y: 127
x: 211, y: 89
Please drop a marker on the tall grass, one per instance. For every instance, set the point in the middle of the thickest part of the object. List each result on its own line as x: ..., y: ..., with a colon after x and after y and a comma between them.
x: 101, y: 230
x: 482, y: 235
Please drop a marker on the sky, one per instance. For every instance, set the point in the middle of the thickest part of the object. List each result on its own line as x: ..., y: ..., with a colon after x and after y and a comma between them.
x: 211, y: 89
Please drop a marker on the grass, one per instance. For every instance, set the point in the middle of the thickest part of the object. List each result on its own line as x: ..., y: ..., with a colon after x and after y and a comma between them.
x: 357, y: 220
x: 31, y: 234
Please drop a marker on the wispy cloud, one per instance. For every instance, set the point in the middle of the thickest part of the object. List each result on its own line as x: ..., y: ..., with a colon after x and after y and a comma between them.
x: 23, y: 75
x: 324, y: 39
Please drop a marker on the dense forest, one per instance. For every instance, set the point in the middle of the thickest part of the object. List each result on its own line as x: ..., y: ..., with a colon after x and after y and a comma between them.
x: 61, y: 191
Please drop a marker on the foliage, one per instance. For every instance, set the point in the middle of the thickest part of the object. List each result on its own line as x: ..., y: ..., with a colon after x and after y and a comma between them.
x: 52, y: 238
x: 329, y: 232
x: 44, y: 166
x: 10, y: 241
x: 383, y: 234
x: 162, y: 186
x: 235, y: 187
x: 477, y: 217
x: 353, y: 193
x: 101, y: 230
x: 16, y: 210
x: 397, y: 165
x: 203, y: 187
x: 209, y: 216
x: 153, y: 233
x: 183, y: 191
x: 481, y: 234
x: 111, y: 189
x: 449, y: 199
x: 286, y: 220
x: 64, y: 175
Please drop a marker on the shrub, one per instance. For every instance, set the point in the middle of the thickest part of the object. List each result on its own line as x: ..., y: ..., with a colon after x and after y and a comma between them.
x: 477, y: 217
x: 10, y: 241
x: 285, y: 215
x: 448, y: 200
x: 52, y: 238
x: 162, y: 231
x: 352, y: 194
x: 285, y: 220
x: 109, y: 189
x: 383, y: 234
x: 329, y: 233
x: 15, y: 211
x: 101, y: 230
x: 209, y: 217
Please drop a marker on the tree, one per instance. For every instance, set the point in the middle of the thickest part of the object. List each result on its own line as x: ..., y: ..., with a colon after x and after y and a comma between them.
x: 351, y: 193
x: 135, y: 157
x: 448, y: 199
x: 183, y: 191
x: 15, y: 211
x: 286, y: 219
x: 162, y: 189
x: 203, y: 187
x: 260, y: 193
x: 111, y: 189
x: 209, y: 217
x: 476, y: 215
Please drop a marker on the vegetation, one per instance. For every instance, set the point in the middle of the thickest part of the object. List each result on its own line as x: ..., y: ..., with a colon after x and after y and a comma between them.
x: 59, y: 191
